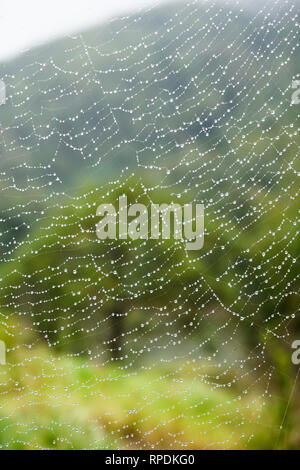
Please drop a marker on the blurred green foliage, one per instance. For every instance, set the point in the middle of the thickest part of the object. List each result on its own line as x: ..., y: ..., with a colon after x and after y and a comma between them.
x: 114, y: 343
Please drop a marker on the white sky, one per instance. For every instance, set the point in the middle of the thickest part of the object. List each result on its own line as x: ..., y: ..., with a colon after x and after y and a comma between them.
x: 25, y: 23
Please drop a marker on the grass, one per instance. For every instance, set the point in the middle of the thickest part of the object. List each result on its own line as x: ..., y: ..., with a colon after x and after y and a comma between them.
x: 58, y: 402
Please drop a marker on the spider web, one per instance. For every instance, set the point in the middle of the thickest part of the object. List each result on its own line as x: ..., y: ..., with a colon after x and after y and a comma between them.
x: 139, y: 344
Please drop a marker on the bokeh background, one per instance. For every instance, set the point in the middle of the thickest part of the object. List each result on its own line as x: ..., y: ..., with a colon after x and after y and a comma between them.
x: 141, y: 344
